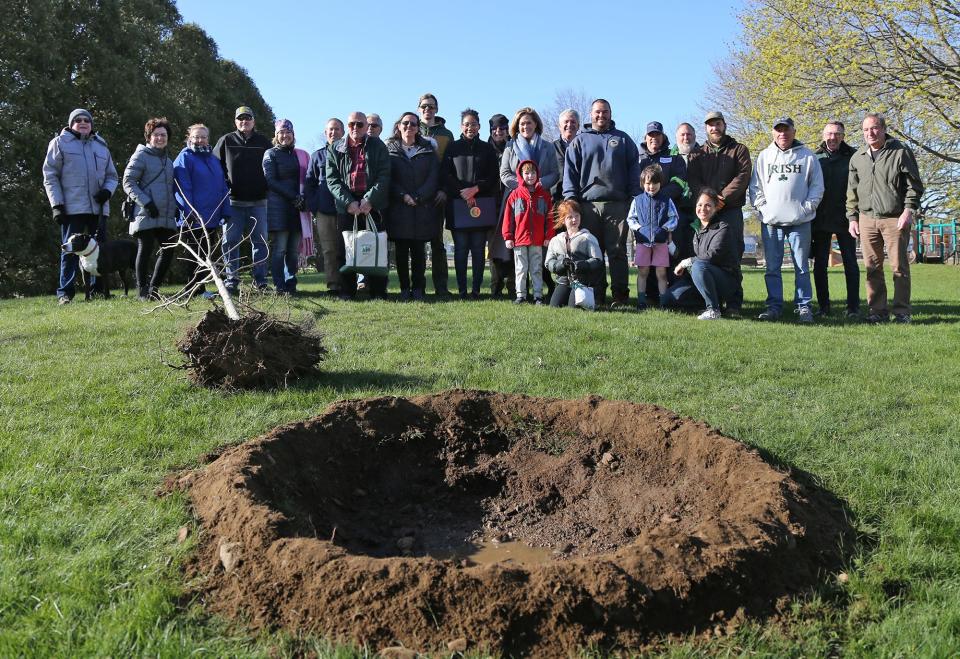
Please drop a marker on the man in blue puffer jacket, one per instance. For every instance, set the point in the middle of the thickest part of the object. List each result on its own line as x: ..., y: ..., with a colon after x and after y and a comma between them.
x: 602, y: 172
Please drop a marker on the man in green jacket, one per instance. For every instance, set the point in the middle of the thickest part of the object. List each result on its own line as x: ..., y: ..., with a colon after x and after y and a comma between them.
x: 883, y: 195
x: 358, y: 177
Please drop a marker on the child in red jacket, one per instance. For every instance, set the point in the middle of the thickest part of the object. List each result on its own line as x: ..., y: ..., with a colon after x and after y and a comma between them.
x: 527, y: 229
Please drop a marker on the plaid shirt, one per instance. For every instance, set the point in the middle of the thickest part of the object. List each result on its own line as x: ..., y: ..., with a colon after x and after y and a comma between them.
x: 358, y: 167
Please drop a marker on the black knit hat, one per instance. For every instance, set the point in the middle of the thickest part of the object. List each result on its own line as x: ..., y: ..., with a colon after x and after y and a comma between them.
x: 498, y: 120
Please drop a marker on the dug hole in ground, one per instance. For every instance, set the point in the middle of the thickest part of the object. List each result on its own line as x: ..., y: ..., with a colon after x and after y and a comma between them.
x: 504, y: 523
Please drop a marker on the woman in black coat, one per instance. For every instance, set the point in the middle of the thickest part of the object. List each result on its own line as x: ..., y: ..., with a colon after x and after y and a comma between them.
x: 470, y: 172
x: 412, y: 217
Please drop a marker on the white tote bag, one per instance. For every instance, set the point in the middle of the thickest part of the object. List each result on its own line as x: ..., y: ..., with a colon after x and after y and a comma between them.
x: 582, y: 296
x: 366, y: 249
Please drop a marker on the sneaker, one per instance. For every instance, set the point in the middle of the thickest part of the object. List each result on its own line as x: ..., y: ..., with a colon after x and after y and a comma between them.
x: 475, y: 295
x: 620, y: 302
x: 902, y: 318
x: 806, y: 315
x: 418, y: 294
x: 709, y: 314
x: 641, y: 306
x: 769, y: 314
x: 538, y: 301
x: 822, y: 312
x: 442, y: 293
x: 853, y: 314
x: 877, y: 318
x: 405, y: 295
x: 63, y: 299
x: 519, y: 300
x: 733, y: 312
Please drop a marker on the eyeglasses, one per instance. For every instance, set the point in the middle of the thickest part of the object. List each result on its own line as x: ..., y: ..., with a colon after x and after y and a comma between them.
x: 244, y: 117
x: 427, y: 106
x: 409, y: 123
x: 376, y: 125
x: 81, y: 120
x: 356, y: 124
x: 470, y: 124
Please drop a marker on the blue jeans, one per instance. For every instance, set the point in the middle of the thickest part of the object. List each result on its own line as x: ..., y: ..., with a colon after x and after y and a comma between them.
x: 799, y: 239
x: 284, y: 258
x: 472, y: 243
x: 70, y: 263
x: 715, y: 284
x: 252, y: 221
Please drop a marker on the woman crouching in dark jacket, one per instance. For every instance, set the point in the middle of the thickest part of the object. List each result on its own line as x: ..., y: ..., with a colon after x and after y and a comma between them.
x: 412, y: 217
x: 714, y: 264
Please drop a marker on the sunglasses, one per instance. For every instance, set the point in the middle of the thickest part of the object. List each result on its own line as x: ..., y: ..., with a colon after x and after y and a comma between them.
x: 244, y: 117
x: 81, y: 120
x: 356, y: 124
x: 409, y: 123
x: 427, y: 106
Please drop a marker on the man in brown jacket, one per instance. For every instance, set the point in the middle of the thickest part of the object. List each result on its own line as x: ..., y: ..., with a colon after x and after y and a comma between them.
x: 724, y: 165
x: 883, y: 194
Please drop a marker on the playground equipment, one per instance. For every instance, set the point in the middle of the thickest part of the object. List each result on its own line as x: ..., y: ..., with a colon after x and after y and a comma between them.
x: 936, y: 242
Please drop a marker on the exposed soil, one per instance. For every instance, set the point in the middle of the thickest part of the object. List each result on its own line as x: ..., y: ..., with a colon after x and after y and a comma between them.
x: 653, y: 524
x: 255, y: 352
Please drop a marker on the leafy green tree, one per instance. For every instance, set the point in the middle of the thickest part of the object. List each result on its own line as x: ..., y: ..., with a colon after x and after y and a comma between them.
x: 817, y: 60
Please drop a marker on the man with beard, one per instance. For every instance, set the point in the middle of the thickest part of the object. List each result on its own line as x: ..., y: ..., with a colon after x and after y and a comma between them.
x: 688, y: 149
x: 834, y: 155
x: 602, y: 172
x: 434, y: 127
x: 724, y: 165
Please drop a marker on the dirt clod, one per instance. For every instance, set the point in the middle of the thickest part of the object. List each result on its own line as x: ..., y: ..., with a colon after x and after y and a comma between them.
x: 457, y: 645
x: 183, y: 534
x: 688, y: 527
x: 256, y: 352
x: 230, y: 554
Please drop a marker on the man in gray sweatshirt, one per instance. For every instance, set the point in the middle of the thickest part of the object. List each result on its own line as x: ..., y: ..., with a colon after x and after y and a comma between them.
x: 786, y: 188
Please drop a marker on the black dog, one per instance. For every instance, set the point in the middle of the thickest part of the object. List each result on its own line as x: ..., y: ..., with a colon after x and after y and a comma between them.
x: 100, y: 260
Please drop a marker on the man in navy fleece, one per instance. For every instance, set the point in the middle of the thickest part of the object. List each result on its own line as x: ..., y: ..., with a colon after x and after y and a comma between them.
x: 602, y: 172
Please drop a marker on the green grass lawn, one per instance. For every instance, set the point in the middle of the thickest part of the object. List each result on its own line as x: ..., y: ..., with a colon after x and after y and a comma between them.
x: 92, y: 421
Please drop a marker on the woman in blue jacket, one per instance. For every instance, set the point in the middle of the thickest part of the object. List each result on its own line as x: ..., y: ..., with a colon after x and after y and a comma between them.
x: 281, y: 167
x: 203, y: 199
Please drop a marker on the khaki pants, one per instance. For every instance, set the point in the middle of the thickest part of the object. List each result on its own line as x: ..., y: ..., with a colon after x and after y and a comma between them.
x: 875, y: 234
x: 329, y: 240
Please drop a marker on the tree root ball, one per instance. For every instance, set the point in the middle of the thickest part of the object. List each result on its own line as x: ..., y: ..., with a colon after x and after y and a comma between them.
x: 390, y: 522
x: 256, y: 352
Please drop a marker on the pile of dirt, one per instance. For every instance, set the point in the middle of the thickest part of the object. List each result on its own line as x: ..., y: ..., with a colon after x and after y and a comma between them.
x: 353, y: 525
x: 256, y: 352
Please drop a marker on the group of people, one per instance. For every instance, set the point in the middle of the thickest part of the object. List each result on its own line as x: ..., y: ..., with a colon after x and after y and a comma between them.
x: 550, y: 216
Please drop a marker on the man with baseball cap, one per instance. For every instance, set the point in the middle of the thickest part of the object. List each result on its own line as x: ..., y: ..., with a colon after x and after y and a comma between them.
x: 241, y: 155
x: 724, y: 165
x: 786, y: 188
x: 655, y: 150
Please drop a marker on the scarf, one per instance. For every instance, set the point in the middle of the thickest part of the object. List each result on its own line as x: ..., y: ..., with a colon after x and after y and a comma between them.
x: 527, y: 150
x: 201, y: 148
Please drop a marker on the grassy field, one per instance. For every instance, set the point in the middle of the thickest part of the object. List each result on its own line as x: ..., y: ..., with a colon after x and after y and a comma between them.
x: 92, y: 421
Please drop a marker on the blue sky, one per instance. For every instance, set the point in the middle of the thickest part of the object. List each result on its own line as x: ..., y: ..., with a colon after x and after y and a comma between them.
x: 313, y: 61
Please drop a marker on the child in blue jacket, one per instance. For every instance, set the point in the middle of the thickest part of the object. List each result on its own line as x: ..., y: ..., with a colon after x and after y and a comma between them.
x: 652, y: 218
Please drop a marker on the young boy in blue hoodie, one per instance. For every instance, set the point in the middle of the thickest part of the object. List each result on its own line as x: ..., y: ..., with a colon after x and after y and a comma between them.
x: 652, y: 218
